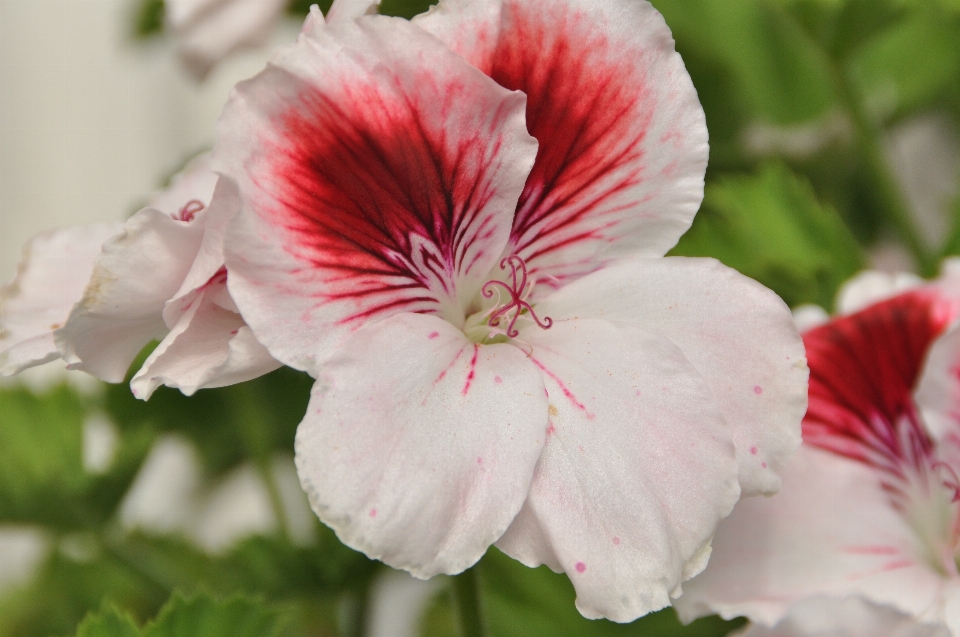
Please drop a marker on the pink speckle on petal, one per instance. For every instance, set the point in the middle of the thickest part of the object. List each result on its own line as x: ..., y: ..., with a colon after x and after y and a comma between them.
x: 753, y: 450
x: 433, y: 335
x: 757, y: 389
x: 479, y: 460
x: 551, y: 429
x: 497, y: 380
x: 763, y: 464
x: 581, y: 567
x: 373, y: 513
x: 616, y: 541
x: 235, y: 332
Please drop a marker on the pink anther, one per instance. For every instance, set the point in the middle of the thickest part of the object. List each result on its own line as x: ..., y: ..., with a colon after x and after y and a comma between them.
x: 516, y: 292
x: 190, y: 210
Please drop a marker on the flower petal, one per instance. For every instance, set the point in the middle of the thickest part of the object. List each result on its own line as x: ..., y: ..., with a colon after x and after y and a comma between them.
x: 851, y: 617
x: 871, y: 286
x: 829, y: 531
x: 738, y: 334
x: 371, y: 183
x: 350, y: 9
x: 638, y: 468
x: 210, y: 346
x: 938, y: 392
x: 623, y: 139
x: 209, y: 30
x: 134, y: 276
x: 52, y: 275
x: 418, y: 446
x: 190, y: 189
x: 864, y: 368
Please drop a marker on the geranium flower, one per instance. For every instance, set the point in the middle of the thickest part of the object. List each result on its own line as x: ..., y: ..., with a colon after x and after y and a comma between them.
x: 158, y: 276
x: 501, y: 353
x: 870, y: 505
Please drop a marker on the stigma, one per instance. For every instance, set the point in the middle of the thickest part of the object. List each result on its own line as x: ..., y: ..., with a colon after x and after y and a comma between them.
x: 515, y: 294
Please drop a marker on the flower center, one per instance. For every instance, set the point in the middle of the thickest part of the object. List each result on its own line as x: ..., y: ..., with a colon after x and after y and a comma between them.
x: 515, y: 301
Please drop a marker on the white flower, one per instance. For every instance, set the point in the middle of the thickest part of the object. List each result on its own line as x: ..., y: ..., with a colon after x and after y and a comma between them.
x: 501, y: 352
x: 870, y: 505
x: 852, y: 617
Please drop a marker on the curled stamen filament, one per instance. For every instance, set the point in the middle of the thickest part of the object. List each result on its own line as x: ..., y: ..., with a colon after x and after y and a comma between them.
x: 952, y: 481
x: 518, y: 275
x: 190, y: 210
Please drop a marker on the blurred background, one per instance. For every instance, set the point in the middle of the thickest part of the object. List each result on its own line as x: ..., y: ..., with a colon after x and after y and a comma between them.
x: 835, y: 146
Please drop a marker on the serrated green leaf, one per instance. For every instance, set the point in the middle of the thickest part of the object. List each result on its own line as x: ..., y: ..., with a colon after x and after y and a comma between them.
x: 108, y: 623
x: 201, y: 616
x: 196, y: 616
x: 771, y: 227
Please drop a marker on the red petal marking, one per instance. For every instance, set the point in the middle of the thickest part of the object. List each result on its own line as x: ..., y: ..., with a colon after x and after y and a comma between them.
x: 372, y: 195
x: 580, y: 91
x: 863, y: 370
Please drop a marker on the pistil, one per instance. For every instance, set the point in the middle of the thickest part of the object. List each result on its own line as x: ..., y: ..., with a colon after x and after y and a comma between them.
x: 516, y: 292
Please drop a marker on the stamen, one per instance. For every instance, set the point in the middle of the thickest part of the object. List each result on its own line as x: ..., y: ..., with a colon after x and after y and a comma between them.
x: 516, y: 293
x: 190, y: 210
x: 951, y: 481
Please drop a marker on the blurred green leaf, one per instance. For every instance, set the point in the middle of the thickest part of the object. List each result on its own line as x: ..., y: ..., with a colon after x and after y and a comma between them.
x: 779, y: 72
x: 771, y: 227
x: 536, y: 602
x: 229, y: 424
x: 198, y: 616
x: 148, y: 20
x: 909, y: 65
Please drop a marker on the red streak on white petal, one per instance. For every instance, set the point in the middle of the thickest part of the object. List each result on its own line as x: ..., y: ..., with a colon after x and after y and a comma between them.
x: 376, y: 201
x: 863, y: 370
x: 473, y: 369
x: 566, y: 391
x: 580, y: 90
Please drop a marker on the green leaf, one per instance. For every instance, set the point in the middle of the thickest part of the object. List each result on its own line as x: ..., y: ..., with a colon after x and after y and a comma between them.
x: 108, y: 623
x: 777, y: 70
x: 536, y: 602
x: 230, y: 424
x: 197, y: 616
x: 911, y: 64
x: 771, y: 227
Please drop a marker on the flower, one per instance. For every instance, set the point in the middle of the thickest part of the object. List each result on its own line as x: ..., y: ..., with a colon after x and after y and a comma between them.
x: 158, y: 276
x: 502, y: 354
x: 851, y: 617
x: 869, y: 506
x: 207, y: 31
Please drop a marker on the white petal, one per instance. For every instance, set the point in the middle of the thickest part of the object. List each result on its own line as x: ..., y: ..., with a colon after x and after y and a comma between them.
x: 623, y: 139
x: 739, y: 335
x: 852, y: 617
x: 208, y: 31
x: 808, y: 316
x: 830, y: 531
x: 637, y: 471
x: 208, y: 347
x: 418, y: 446
x: 371, y: 184
x: 871, y: 286
x: 55, y: 269
x: 194, y: 184
x: 134, y: 276
x: 351, y: 9
x: 938, y: 392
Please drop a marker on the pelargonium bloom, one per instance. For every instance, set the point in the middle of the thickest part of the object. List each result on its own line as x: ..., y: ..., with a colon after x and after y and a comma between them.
x: 502, y: 354
x: 870, y: 505
x: 96, y: 295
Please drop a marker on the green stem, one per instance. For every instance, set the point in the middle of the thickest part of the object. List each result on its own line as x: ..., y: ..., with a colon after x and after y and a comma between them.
x: 466, y: 593
x: 360, y: 612
x: 869, y: 139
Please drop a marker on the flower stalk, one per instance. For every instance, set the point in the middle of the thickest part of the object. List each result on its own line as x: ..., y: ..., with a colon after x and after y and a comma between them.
x: 466, y: 594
